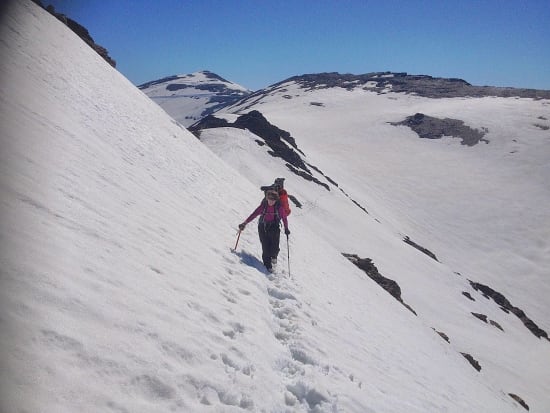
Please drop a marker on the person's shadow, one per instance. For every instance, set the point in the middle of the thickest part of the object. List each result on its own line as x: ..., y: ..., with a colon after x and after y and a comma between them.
x: 251, y: 261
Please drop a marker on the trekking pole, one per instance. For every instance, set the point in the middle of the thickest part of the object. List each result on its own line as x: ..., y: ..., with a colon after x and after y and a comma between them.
x: 288, y: 255
x: 238, y: 236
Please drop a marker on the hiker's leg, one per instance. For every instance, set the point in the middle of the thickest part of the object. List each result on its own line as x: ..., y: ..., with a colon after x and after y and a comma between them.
x: 265, y: 241
x: 273, y: 243
x: 276, y: 240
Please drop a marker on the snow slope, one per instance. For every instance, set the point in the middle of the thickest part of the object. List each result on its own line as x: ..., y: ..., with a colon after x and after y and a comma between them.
x: 188, y: 98
x: 120, y: 292
x: 481, y: 209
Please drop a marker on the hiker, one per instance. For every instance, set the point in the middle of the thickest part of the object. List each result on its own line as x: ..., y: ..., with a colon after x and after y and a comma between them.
x: 278, y: 185
x: 271, y: 212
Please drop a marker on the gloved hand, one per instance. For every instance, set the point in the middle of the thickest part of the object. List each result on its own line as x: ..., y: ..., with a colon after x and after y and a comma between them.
x: 287, y: 231
x: 242, y: 226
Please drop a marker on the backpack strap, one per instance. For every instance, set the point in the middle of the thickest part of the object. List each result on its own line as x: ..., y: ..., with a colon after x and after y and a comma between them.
x: 264, y: 212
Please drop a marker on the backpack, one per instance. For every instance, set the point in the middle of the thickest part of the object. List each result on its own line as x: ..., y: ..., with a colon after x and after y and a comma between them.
x: 283, y: 197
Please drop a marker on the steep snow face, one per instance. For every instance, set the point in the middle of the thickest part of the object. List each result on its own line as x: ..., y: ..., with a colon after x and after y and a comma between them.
x: 119, y: 291
x: 188, y: 98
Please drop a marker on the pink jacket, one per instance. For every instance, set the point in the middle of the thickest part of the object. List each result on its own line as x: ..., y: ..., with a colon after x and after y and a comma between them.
x: 269, y: 214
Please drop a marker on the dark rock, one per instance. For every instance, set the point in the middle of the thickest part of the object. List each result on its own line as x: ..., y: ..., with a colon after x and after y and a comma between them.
x: 173, y: 87
x: 475, y: 364
x: 359, y: 205
x: 209, y: 122
x: 305, y: 175
x: 443, y: 336
x: 519, y: 400
x: 354, y: 201
x: 497, y: 325
x: 468, y: 295
x: 482, y: 317
x: 370, y: 269
x: 428, y: 127
x: 331, y: 181
x: 506, y: 305
x: 420, y: 248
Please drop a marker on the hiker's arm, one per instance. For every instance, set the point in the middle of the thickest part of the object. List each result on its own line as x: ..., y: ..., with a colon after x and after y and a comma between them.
x: 256, y: 212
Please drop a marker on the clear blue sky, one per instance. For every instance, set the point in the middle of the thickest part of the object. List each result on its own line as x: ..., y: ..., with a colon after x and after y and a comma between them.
x: 258, y: 43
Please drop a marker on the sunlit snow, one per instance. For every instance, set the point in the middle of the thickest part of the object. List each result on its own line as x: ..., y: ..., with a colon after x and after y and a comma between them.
x: 120, y: 292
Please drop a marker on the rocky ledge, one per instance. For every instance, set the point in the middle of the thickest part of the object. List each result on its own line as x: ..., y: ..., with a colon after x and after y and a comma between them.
x: 387, y: 284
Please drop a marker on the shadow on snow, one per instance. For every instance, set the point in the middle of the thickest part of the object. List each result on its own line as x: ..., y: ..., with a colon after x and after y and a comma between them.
x: 251, y: 260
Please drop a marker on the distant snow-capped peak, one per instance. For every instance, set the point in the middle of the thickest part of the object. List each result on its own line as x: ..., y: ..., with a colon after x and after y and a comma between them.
x: 205, y: 81
x: 190, y: 97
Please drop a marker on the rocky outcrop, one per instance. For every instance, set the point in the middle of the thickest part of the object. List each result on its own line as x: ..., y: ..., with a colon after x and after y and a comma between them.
x: 281, y: 143
x: 503, y: 302
x: 256, y: 123
x: 519, y: 400
x: 387, y: 284
x: 426, y: 251
x: 484, y: 318
x: 442, y: 335
x: 468, y: 295
x: 475, y: 364
x: 428, y: 127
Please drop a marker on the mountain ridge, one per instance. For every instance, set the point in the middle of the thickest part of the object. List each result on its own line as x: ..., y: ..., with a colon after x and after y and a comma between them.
x: 402, y: 82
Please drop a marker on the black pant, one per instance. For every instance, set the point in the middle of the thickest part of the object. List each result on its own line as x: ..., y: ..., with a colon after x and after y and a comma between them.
x: 269, y: 237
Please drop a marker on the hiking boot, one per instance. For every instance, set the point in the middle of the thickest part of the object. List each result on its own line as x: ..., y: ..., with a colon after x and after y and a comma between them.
x: 274, y: 261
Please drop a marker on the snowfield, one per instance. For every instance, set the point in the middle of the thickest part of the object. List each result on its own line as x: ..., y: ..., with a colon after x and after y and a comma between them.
x: 120, y: 292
